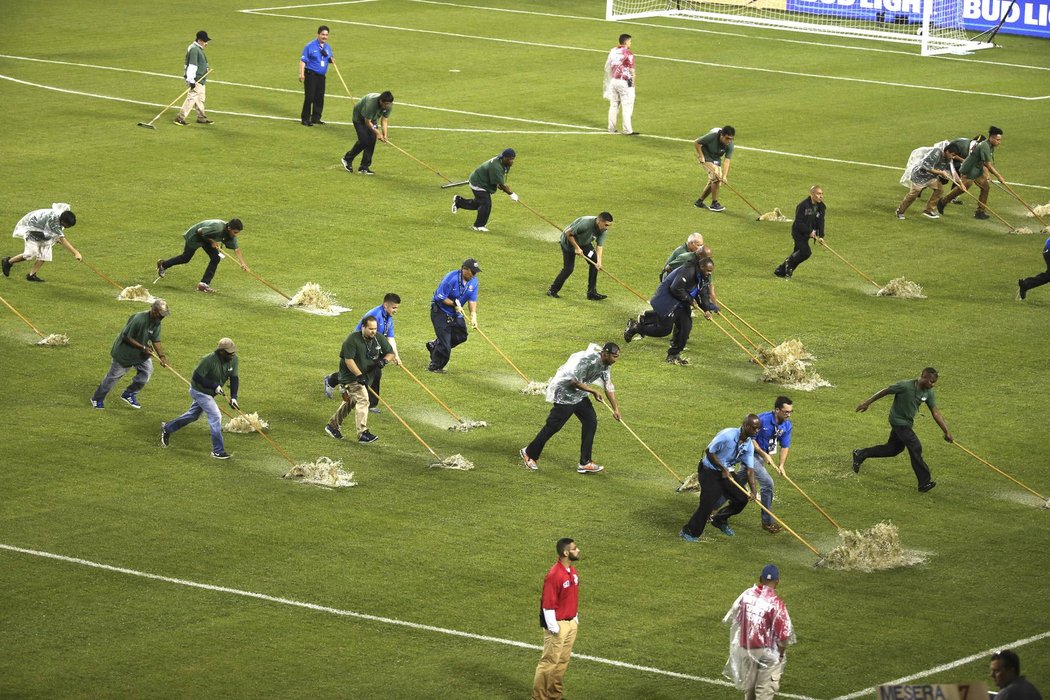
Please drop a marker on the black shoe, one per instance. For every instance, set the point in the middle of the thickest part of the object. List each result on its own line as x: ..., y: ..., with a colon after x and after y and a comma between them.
x: 437, y: 370
x: 981, y: 214
x: 716, y: 206
x: 367, y: 437
x: 318, y: 121
x: 596, y: 296
x: 553, y: 294
x: 699, y: 204
x: 632, y: 330
x: 348, y: 165
x: 1021, y: 291
x: 160, y: 268
x: 6, y: 262
x: 927, y: 486
x: 634, y: 133
x: 857, y: 461
x: 221, y: 454
x: 940, y: 207
x: 779, y: 272
x: 34, y: 278
x: 430, y: 347
x: 307, y: 124
x: 365, y: 171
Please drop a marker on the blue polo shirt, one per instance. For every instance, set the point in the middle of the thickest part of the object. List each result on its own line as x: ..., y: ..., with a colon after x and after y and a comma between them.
x: 729, y: 451
x: 1046, y: 248
x: 313, y: 57
x: 384, y: 320
x: 772, y: 436
x: 453, y: 287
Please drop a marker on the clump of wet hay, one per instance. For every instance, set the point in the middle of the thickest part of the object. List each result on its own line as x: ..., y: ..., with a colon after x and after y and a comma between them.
x: 456, y: 461
x: 535, y: 389
x: 874, y: 549
x: 246, y: 423
x: 901, y: 288
x: 311, y: 296
x: 464, y: 426
x: 787, y: 351
x: 775, y: 215
x: 54, y: 340
x: 794, y: 374
x: 136, y: 293
x: 1023, y: 231
x: 1040, y: 209
x: 691, y: 483
x: 324, y: 472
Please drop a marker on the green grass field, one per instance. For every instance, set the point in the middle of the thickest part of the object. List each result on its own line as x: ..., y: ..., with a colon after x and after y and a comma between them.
x: 466, y: 551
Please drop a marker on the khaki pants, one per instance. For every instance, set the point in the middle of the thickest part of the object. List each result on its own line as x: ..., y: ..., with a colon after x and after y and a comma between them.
x: 355, y: 396
x: 762, y: 682
x: 984, y: 183
x: 557, y: 648
x: 621, y: 97
x: 916, y: 190
x: 194, y: 100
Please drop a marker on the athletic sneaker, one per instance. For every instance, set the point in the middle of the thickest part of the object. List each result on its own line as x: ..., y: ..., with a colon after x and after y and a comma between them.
x: 771, y: 528
x: 455, y: 207
x: 1021, y: 291
x: 596, y: 296
x: 430, y: 347
x: 348, y: 165
x: 930, y: 214
x: 553, y: 294
x: 899, y: 214
x: 202, y: 287
x: 529, y: 462
x: 179, y: 121
x: 131, y: 399
x: 632, y: 330
x: 366, y: 171
x: 205, y: 121
x: 160, y: 268
x: 589, y: 468
x: 437, y: 370
x: 981, y: 214
x: 724, y: 527
x: 6, y: 262
x: 927, y: 486
x: 857, y: 461
x: 222, y: 454
x: 165, y: 436
x: 334, y: 432
x: 677, y: 360
x: 716, y: 207
x: 699, y: 204
x: 329, y: 390
x: 940, y: 205
x: 687, y: 537
x: 33, y: 278
x: 482, y: 229
x: 96, y: 404
x: 375, y: 409
x: 367, y: 437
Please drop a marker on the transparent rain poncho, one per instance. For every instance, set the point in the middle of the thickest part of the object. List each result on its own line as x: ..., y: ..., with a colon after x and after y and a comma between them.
x: 757, y: 621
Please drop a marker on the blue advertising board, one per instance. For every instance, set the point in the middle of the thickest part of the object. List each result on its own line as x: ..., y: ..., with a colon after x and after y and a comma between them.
x: 1027, y: 17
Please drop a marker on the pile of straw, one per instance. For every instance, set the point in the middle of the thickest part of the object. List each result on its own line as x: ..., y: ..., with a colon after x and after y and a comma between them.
x: 1023, y: 231
x: 54, y: 340
x: 136, y: 293
x: 468, y: 425
x: 789, y: 350
x: 311, y: 296
x: 874, y: 549
x: 323, y: 472
x: 794, y: 374
x: 691, y: 483
x: 535, y: 389
x: 246, y: 423
x: 902, y: 289
x: 456, y: 461
x: 1040, y: 209
x: 775, y: 215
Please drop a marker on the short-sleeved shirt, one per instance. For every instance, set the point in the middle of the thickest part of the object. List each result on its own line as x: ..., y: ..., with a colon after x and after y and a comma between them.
x: 620, y: 63
x: 140, y: 327
x: 212, y: 230
x: 453, y: 286
x: 684, y: 248
x: 772, y: 434
x: 368, y: 109
x: 584, y: 230
x: 212, y: 371
x: 40, y: 225
x: 490, y: 174
x: 384, y: 321
x: 973, y: 167
x: 964, y: 145
x: 713, y: 148
x: 585, y: 367
x: 729, y: 450
x: 561, y: 592
x: 316, y: 56
x: 762, y: 618
x: 907, y: 397
x: 364, y: 352
x: 195, y: 56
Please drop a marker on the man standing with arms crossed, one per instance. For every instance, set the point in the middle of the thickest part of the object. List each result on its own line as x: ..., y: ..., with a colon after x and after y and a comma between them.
x: 760, y: 630
x: 196, y: 68
x: 908, y: 395
x: 371, y: 117
x: 484, y: 181
x: 585, y: 237
x: 446, y: 313
x: 711, y: 149
x: 619, y: 84
x: 313, y: 66
x: 808, y: 225
x: 774, y: 436
x: 559, y: 606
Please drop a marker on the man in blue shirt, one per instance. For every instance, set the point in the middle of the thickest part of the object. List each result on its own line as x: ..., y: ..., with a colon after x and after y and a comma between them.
x: 730, y: 447
x: 773, y: 437
x: 313, y: 66
x: 1037, y: 280
x: 384, y: 316
x: 457, y: 288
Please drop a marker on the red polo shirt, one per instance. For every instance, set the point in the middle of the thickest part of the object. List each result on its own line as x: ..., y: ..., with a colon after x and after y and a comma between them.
x: 561, y: 592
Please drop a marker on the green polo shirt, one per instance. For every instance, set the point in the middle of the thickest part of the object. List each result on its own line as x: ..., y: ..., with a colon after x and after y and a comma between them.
x: 584, y: 230
x: 973, y: 167
x: 963, y: 145
x: 676, y: 253
x: 712, y: 147
x: 362, y: 351
x: 490, y: 174
x: 907, y: 397
x: 140, y: 327
x: 681, y: 259
x: 212, y: 230
x: 195, y: 56
x: 368, y: 109
x: 214, y: 369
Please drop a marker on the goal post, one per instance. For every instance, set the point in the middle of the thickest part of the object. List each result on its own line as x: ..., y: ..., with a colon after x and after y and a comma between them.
x: 935, y: 26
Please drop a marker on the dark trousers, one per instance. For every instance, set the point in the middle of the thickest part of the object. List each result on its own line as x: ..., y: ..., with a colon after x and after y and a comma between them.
x: 377, y: 376
x: 1040, y: 279
x: 901, y: 437
x: 568, y: 264
x: 482, y: 203
x: 736, y: 500
x: 713, y: 489
x: 313, y: 97
x: 678, y: 326
x: 366, y: 143
x: 449, y: 331
x: 187, y: 255
x: 799, y: 255
x: 556, y: 419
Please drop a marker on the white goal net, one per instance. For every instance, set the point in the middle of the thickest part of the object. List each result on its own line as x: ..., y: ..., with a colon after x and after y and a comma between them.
x: 935, y: 26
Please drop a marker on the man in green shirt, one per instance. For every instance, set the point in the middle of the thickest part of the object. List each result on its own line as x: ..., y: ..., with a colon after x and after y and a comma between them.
x: 484, y: 181
x: 364, y: 352
x: 196, y: 68
x: 691, y: 245
x: 371, y: 117
x: 134, y: 346
x: 976, y: 170
x: 209, y: 234
x: 584, y: 237
x: 212, y: 372
x: 908, y: 395
x: 712, y: 149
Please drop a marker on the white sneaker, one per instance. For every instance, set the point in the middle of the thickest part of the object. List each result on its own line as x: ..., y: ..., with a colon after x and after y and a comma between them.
x: 589, y: 468
x: 455, y: 208
x: 479, y: 228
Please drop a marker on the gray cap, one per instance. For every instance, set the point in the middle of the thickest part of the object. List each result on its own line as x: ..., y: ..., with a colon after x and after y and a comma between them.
x: 227, y: 345
x: 161, y: 307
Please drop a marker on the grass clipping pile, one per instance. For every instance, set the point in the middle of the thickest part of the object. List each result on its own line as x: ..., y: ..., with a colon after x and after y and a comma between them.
x: 466, y: 425
x: 311, y: 296
x: 788, y: 365
x: 135, y: 293
x: 535, y: 389
x: 246, y: 423
x: 54, y: 340
x: 775, y: 215
x: 902, y: 289
x: 875, y: 549
x: 456, y: 461
x: 324, y: 472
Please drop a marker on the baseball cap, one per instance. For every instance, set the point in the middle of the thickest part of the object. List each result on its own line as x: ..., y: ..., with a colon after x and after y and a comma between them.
x: 770, y: 573
x: 161, y: 307
x: 227, y: 345
x: 203, y: 36
x: 508, y: 153
x: 472, y: 265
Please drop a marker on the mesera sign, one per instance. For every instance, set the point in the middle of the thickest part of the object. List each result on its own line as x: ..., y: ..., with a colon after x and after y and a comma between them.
x: 935, y: 691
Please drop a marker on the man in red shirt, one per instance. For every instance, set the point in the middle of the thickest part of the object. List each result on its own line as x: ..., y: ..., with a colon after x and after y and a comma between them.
x: 558, y: 608
x: 618, y: 86
x: 760, y: 630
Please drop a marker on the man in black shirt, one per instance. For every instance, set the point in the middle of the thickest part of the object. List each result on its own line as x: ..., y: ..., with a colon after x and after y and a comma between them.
x: 808, y: 224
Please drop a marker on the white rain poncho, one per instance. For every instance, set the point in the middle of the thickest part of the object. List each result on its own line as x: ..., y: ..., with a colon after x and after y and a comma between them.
x: 42, y: 220
x: 926, y: 156
x: 585, y: 367
x: 615, y: 56
x: 757, y: 621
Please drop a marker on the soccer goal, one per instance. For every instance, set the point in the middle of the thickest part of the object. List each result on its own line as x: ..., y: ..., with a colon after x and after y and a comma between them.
x: 936, y: 26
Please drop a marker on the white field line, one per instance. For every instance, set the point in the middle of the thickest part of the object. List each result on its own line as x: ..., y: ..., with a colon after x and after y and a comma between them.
x: 946, y: 667
x: 365, y: 616
x: 723, y: 33
x: 708, y: 64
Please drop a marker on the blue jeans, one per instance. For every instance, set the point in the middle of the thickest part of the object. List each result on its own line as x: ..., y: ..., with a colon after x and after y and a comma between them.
x: 765, y: 492
x: 202, y: 403
x: 143, y: 370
